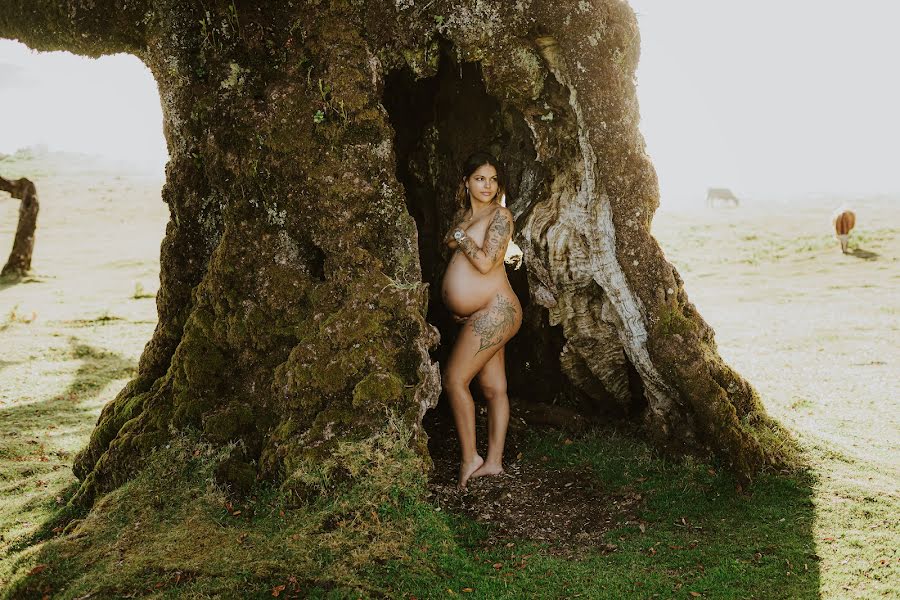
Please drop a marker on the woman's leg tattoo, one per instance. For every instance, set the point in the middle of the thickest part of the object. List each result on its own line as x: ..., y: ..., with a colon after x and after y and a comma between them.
x: 492, y: 325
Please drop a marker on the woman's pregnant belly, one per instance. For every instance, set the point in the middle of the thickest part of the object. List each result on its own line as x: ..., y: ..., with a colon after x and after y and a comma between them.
x: 466, y: 290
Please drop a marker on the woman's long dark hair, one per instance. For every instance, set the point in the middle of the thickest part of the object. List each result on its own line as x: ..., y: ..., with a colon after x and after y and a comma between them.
x: 470, y: 165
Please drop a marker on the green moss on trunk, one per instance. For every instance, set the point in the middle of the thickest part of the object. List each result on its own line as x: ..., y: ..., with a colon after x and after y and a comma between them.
x: 292, y: 306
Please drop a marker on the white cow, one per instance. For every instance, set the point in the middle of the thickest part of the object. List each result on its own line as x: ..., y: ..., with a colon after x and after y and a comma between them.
x: 722, y: 195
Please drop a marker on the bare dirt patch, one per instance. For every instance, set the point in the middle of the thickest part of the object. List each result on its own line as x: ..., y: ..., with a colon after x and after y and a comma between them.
x: 569, y: 510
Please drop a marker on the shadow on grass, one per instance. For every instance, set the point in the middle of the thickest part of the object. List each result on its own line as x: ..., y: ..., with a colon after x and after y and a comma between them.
x: 9, y: 280
x: 37, y: 441
x: 863, y: 254
x: 7, y: 363
x: 68, y: 409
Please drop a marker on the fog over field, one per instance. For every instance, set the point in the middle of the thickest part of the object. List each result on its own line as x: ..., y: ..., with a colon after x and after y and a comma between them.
x: 107, y: 107
x: 776, y: 100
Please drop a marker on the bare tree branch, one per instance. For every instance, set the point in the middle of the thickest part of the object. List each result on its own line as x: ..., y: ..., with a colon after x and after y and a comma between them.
x: 19, y: 261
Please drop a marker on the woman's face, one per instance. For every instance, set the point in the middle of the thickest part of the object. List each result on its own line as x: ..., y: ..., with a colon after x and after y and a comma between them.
x: 483, y: 183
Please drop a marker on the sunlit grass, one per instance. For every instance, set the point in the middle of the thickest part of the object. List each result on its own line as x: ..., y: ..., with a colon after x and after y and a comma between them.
x: 172, y: 532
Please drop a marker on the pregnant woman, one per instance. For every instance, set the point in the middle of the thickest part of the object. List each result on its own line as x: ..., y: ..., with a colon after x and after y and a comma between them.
x: 477, y: 292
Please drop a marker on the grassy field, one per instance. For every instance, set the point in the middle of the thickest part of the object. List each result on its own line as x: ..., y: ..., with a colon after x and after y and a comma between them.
x: 813, y: 329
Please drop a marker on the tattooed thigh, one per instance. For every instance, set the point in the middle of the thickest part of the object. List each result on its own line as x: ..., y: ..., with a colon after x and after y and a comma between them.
x: 496, y: 324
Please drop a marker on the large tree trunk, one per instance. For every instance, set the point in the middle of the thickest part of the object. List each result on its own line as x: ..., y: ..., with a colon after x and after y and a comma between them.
x: 313, y: 150
x: 19, y: 261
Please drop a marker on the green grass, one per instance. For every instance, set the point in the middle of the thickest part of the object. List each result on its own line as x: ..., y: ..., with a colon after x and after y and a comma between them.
x: 830, y: 532
x: 14, y: 167
x: 764, y: 247
x: 698, y: 535
x: 40, y: 434
x: 39, y: 165
x: 171, y: 533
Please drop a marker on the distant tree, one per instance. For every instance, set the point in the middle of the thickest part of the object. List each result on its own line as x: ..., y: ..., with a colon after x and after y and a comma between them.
x: 313, y: 155
x: 19, y: 261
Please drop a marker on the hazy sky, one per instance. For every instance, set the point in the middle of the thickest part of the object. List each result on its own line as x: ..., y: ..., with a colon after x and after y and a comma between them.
x: 108, y: 106
x: 770, y: 98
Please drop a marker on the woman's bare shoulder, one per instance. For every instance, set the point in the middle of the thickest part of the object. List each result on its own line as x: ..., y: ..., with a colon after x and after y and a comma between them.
x: 503, y: 214
x: 460, y: 214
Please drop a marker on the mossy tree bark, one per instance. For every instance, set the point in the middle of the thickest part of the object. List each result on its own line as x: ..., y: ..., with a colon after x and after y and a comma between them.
x: 19, y: 261
x: 313, y: 149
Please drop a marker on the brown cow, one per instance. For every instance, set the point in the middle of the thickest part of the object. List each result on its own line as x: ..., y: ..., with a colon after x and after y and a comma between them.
x: 842, y: 221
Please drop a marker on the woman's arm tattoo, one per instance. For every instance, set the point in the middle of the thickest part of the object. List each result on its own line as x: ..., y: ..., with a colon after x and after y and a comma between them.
x: 469, y: 246
x: 498, y: 236
x: 495, y: 241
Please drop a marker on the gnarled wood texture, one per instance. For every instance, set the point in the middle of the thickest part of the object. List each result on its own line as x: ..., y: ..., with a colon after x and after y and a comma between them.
x: 292, y: 305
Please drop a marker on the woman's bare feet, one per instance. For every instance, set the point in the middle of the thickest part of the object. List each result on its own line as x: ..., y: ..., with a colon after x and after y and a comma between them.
x: 466, y: 470
x: 488, y: 468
